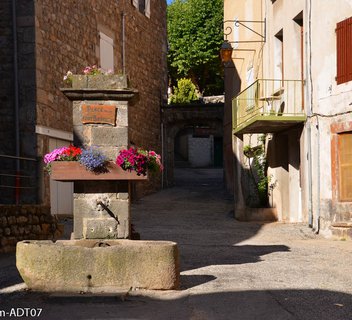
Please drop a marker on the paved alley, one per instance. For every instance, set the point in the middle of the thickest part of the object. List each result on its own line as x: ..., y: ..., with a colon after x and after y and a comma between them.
x: 229, y: 269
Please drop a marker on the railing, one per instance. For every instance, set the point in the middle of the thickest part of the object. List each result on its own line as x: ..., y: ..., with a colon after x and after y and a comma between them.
x: 267, y: 97
x: 18, y: 187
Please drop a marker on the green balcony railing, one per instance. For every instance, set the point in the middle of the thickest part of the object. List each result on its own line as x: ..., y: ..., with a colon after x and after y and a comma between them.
x: 271, y: 101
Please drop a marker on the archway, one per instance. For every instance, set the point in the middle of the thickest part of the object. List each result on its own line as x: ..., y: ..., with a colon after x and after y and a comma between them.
x: 192, y: 136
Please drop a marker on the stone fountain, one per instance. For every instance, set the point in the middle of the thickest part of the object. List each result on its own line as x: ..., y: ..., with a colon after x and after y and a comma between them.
x: 100, y: 257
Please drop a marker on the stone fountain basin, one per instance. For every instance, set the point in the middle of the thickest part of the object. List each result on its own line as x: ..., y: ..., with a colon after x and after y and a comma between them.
x: 98, y: 265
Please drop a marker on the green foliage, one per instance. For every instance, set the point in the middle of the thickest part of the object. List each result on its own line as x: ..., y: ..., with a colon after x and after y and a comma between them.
x: 185, y: 92
x: 195, y: 36
x: 258, y: 170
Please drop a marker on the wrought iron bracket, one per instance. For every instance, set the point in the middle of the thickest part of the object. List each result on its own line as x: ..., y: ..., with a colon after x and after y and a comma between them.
x: 249, y: 25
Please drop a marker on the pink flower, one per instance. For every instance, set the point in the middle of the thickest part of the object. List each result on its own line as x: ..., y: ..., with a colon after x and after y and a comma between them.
x: 139, y: 160
x: 54, y: 155
x: 87, y: 70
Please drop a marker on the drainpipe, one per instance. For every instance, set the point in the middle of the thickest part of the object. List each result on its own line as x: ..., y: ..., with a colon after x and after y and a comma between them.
x: 309, y: 132
x: 123, y: 15
x: 309, y: 159
x: 15, y: 82
x: 317, y: 221
x: 309, y: 114
x: 162, y: 153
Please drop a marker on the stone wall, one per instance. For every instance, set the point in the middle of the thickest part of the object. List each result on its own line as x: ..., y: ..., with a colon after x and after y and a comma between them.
x: 147, y: 69
x: 6, y: 80
x: 67, y: 34
x: 26, y: 222
x: 26, y: 100
x: 6, y: 90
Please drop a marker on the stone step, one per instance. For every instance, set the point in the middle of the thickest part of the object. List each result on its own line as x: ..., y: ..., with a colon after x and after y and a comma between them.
x: 342, y: 230
x: 257, y: 214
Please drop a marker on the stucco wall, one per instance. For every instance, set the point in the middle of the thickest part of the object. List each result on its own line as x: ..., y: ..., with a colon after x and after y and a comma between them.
x: 326, y: 104
x: 331, y: 104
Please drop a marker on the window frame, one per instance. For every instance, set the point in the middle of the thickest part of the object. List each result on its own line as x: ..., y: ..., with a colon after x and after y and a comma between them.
x: 337, y: 129
x: 103, y: 37
x: 143, y: 6
x: 342, y: 165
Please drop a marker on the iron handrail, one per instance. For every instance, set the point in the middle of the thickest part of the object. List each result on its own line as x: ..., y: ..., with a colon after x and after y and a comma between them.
x: 20, y: 181
x: 265, y: 97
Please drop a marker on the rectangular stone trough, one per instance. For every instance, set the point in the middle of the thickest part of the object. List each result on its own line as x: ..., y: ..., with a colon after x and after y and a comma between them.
x: 98, y: 265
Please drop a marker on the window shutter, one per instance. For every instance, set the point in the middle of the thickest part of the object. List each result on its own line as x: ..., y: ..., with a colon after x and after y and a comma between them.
x: 343, y: 51
x: 345, y: 166
x: 135, y: 3
x: 147, y: 8
x: 106, y: 52
x: 349, y: 49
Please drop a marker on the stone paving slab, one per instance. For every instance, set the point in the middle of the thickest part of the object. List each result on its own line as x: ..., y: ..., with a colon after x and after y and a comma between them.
x: 229, y: 269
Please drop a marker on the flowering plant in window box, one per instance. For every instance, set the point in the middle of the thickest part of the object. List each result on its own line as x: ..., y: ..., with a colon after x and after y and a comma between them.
x: 73, y: 163
x: 94, y: 77
x: 139, y: 160
x: 70, y: 153
x: 92, y: 158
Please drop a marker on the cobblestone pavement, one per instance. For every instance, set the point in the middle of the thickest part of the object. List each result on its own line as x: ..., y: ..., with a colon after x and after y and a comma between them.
x: 229, y: 269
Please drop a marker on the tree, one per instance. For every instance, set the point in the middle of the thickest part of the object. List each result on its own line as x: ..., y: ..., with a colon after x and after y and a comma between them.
x: 185, y: 92
x: 195, y: 36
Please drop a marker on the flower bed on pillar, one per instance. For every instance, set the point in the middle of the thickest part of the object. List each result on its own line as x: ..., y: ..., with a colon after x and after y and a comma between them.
x: 73, y: 171
x: 72, y: 163
x: 95, y: 77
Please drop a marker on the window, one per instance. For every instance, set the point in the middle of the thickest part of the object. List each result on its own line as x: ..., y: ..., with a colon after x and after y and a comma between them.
x: 343, y: 51
x: 279, y: 58
x: 106, y: 52
x: 299, y: 36
x: 143, y: 6
x: 345, y: 166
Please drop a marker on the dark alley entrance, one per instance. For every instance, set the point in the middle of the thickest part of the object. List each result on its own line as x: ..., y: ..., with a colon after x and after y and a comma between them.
x: 192, y: 137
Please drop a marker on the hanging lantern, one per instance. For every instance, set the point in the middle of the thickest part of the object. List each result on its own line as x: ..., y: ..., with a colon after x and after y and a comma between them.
x: 226, y: 52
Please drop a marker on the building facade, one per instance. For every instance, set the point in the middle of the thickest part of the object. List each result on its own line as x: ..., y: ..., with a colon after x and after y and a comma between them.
x: 40, y: 41
x: 293, y: 99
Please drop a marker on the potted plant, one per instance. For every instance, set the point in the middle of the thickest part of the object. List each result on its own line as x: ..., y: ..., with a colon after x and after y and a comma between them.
x: 74, y: 163
x: 94, y: 77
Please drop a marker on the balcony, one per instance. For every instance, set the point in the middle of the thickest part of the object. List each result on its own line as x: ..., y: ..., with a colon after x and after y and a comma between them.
x: 268, y: 106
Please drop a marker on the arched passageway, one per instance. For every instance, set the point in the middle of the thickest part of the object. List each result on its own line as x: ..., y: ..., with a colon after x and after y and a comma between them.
x: 192, y: 137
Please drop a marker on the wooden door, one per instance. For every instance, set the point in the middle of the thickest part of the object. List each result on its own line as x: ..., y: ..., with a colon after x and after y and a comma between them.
x: 61, y: 193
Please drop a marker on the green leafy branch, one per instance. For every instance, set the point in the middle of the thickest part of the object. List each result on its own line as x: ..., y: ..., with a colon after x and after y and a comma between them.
x: 258, y: 169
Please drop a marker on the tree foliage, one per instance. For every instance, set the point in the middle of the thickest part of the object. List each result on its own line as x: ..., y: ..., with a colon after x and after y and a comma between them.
x: 185, y: 92
x: 195, y: 36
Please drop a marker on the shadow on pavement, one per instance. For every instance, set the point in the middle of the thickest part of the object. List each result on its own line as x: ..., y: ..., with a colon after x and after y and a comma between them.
x: 198, y: 215
x: 9, y: 275
x: 242, y: 305
x: 225, y: 255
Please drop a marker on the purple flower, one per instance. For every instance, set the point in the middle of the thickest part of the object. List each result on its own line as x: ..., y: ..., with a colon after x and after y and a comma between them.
x: 93, y: 159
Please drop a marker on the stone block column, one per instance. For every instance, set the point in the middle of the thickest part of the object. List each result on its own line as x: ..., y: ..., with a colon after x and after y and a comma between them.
x: 100, y: 119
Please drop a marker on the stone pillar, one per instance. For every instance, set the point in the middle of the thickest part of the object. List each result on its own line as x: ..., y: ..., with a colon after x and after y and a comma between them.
x: 100, y: 119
